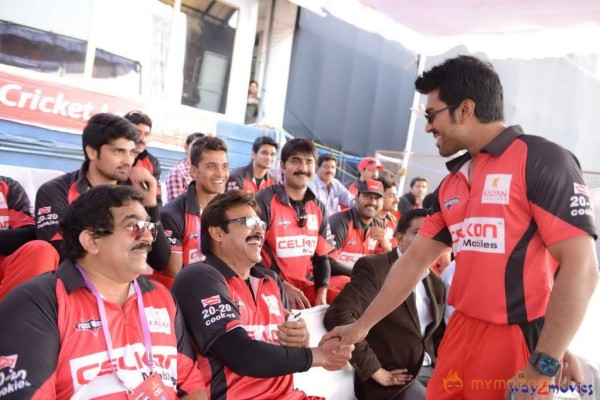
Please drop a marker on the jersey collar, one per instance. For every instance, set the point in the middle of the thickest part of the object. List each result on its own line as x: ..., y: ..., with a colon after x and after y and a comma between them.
x: 73, y: 280
x: 496, y: 147
x: 224, y: 269
x: 283, y: 197
x: 192, y: 205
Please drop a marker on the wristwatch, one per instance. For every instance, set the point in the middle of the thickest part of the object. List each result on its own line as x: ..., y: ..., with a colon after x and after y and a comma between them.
x: 544, y: 364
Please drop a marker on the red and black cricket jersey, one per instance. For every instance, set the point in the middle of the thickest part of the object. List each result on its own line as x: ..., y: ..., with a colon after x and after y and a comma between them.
x: 390, y: 222
x: 214, y: 300
x: 352, y: 238
x: 52, y: 201
x: 526, y: 194
x: 243, y: 179
x: 181, y: 219
x: 289, y: 248
x: 353, y: 188
x: 152, y: 164
x: 15, y: 208
x: 58, y: 351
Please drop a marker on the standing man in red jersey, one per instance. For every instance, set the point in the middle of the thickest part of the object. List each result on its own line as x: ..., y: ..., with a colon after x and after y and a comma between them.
x: 513, y: 208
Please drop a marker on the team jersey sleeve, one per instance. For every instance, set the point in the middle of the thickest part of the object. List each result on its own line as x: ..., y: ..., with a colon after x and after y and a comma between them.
x: 204, y: 299
x: 435, y: 226
x: 174, y: 226
x: 189, y: 378
x: 29, y: 340
x: 339, y: 230
x: 559, y: 199
x: 51, y: 205
x: 325, y: 239
x: 19, y: 207
x: 235, y: 181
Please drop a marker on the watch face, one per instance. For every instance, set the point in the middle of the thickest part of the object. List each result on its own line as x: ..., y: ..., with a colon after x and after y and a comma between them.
x: 547, y: 365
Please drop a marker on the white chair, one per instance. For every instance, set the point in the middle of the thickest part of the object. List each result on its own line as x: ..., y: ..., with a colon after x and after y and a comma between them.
x: 334, y: 385
x: 30, y: 178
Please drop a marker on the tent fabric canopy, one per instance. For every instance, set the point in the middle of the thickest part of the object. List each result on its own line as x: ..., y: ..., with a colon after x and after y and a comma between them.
x: 501, y: 28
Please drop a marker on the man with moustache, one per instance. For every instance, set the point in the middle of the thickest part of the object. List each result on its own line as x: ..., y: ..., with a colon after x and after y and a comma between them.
x: 236, y: 311
x: 181, y: 217
x: 96, y: 328
x: 255, y: 176
x: 327, y: 188
x: 109, y: 148
x: 357, y: 231
x: 513, y: 208
x: 297, y: 238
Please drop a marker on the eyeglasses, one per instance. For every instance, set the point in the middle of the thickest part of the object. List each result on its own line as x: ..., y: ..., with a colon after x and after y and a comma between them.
x: 138, y: 229
x: 250, y: 222
x: 430, y: 116
x: 302, y: 217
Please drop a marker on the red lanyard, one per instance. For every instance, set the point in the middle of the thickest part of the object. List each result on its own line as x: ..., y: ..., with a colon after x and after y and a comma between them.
x: 104, y: 319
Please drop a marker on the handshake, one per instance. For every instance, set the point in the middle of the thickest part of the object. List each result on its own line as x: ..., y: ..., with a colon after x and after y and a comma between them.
x: 329, y: 354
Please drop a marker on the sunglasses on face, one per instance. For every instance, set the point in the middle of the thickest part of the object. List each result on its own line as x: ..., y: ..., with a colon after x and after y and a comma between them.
x: 250, y: 222
x: 430, y: 115
x: 138, y: 229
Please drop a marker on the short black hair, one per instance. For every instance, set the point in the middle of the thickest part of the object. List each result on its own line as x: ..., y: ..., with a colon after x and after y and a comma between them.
x: 298, y: 145
x: 386, y: 182
x: 214, y: 213
x: 138, y: 117
x: 104, y: 128
x: 417, y: 179
x: 326, y: 157
x: 407, y: 217
x: 193, y: 136
x: 207, y: 143
x: 91, y: 211
x: 466, y: 77
x: 263, y: 140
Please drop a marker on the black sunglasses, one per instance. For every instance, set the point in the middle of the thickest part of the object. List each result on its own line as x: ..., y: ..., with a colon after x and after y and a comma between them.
x: 430, y: 116
x: 302, y: 217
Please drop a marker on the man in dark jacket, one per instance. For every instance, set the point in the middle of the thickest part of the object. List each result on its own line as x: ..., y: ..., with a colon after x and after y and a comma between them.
x: 397, y: 357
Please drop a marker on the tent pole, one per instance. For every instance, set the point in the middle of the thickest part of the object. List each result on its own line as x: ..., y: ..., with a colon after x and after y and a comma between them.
x: 411, y: 127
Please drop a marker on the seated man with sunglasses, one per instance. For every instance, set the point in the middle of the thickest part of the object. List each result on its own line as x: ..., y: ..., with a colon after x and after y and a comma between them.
x: 236, y: 311
x: 298, y: 238
x: 109, y: 148
x: 95, y: 327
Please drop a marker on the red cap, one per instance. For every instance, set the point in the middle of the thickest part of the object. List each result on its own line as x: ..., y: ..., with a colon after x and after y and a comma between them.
x: 370, y: 186
x: 369, y: 162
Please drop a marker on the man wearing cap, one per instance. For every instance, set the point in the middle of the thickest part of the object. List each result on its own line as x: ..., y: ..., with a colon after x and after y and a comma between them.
x: 357, y: 231
x: 179, y: 177
x: 368, y: 168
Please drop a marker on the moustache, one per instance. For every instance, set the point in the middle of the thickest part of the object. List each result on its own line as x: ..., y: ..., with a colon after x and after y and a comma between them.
x: 142, y: 246
x: 254, y: 237
x: 302, y: 173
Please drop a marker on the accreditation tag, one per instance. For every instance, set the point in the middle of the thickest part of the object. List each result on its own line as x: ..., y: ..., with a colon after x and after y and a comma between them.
x: 152, y: 388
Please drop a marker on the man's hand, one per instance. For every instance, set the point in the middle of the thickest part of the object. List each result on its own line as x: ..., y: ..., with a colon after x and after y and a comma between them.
x: 391, y: 378
x: 347, y: 334
x: 321, y: 298
x: 143, y: 181
x: 571, y: 369
x: 378, y: 233
x: 293, y: 334
x: 523, y: 378
x: 331, y: 355
x: 295, y: 296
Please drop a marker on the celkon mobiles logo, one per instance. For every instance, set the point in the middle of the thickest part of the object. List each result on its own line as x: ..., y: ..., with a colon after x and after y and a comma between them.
x: 478, y: 234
